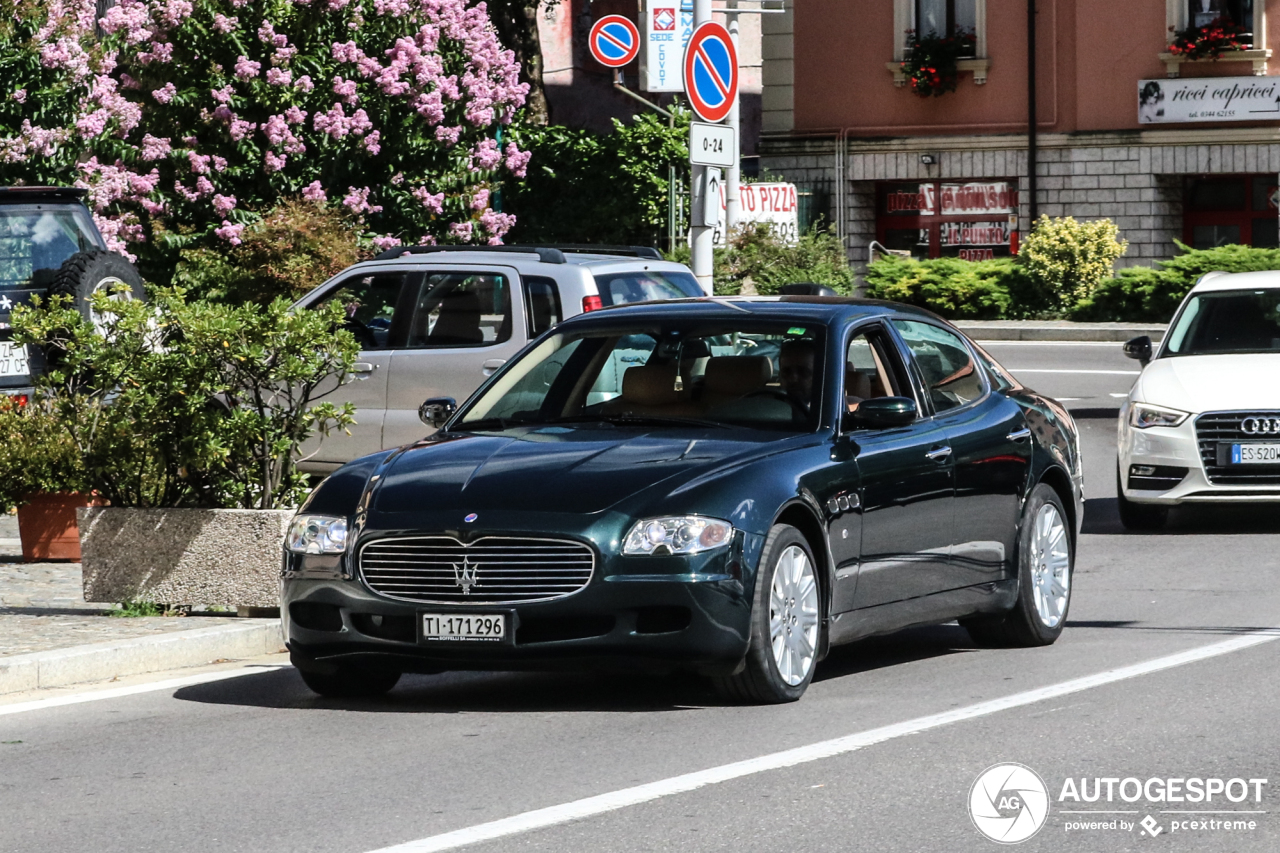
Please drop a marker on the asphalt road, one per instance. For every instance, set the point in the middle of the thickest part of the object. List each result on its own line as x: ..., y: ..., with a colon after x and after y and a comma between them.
x: 257, y: 763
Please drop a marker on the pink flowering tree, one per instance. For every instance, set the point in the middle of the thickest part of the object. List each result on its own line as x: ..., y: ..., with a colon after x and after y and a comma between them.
x: 189, y: 119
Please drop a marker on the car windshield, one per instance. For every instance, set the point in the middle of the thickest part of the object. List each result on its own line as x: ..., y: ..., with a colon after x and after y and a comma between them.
x: 1227, y: 321
x: 669, y: 375
x: 36, y: 239
x: 646, y: 286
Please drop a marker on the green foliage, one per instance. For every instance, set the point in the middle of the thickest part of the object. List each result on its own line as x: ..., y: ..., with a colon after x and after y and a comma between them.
x: 285, y: 254
x: 583, y: 187
x: 133, y: 609
x: 930, y: 66
x: 1068, y: 259
x: 756, y: 261
x: 956, y: 289
x: 1152, y: 295
x: 36, y: 454
x: 182, y: 403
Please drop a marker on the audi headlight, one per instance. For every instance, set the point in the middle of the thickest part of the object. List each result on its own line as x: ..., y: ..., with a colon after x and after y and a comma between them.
x: 683, y: 534
x: 1144, y: 415
x: 317, y: 534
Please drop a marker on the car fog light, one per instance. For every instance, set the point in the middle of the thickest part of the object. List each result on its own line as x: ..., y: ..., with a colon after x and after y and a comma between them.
x: 1143, y: 470
x: 317, y: 534
x: 687, y: 534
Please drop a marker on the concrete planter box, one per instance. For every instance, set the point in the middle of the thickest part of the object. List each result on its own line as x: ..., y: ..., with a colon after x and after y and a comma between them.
x: 183, y: 556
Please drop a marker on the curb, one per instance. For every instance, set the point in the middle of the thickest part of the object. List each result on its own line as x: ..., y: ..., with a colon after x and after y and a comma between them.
x: 114, y: 659
x: 1013, y: 330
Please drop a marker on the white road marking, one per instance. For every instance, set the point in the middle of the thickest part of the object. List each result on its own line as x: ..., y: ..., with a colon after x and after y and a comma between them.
x: 1122, y: 394
x: 602, y: 803
x: 134, y: 689
x: 1060, y: 370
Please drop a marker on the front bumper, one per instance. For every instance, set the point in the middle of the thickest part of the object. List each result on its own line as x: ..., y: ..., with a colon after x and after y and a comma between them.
x: 647, y: 614
x: 1177, y: 447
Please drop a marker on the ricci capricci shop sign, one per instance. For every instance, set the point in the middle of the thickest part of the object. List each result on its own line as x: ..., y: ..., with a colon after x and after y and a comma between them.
x: 1208, y: 99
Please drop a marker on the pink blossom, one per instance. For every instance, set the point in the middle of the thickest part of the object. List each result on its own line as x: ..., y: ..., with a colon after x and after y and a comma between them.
x: 173, y: 12
x: 165, y: 95
x: 427, y: 240
x: 497, y: 224
x: 346, y: 90
x: 224, y: 204
x: 397, y: 179
x: 229, y: 232
x: 433, y: 203
x: 20, y: 96
x: 293, y: 115
x: 247, y: 69
x: 480, y: 200
x: 283, y: 55
x: 223, y: 95
x: 371, y: 143
x: 396, y: 8
x: 314, y: 192
x: 240, y: 129
x: 448, y: 135
x: 131, y: 17
x: 486, y: 156
x: 203, y: 186
x: 272, y: 162
x: 304, y: 83
x: 199, y: 163
x: 219, y: 163
x: 224, y: 24
x: 386, y: 242
x: 266, y: 32
x: 279, y: 76
x: 154, y: 148
x: 161, y: 52
x: 357, y: 201
x: 461, y: 230
x: 517, y: 160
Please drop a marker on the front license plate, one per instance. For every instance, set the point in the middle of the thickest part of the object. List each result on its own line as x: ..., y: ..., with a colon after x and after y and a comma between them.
x: 1255, y: 454
x: 464, y: 627
x: 13, y: 360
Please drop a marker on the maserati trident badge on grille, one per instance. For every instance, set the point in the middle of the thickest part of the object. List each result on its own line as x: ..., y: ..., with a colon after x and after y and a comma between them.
x: 465, y: 576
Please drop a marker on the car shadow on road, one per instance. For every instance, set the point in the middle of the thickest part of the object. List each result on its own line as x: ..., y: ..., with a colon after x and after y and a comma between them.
x: 1102, y: 516
x: 907, y: 646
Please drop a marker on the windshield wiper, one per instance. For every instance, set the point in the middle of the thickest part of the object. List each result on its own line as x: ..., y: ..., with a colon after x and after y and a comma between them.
x: 638, y: 420
x: 489, y: 423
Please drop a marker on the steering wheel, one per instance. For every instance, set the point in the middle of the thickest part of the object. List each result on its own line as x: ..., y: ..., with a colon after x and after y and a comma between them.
x: 362, y: 333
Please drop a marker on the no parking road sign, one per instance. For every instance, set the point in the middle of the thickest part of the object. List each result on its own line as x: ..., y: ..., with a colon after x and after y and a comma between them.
x: 711, y: 72
x: 615, y: 41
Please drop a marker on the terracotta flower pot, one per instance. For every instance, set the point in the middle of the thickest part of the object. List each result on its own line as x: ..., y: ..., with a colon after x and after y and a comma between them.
x: 47, y: 525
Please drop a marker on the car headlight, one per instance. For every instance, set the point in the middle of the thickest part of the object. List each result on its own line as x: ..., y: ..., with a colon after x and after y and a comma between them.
x: 317, y: 534
x: 1144, y: 415
x: 683, y: 534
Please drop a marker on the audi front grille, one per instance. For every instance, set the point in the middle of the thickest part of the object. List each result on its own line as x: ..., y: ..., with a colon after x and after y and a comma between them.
x: 1216, y: 432
x: 491, y: 570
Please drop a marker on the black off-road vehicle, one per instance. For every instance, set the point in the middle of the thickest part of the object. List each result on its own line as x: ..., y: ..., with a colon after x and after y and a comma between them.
x: 49, y: 245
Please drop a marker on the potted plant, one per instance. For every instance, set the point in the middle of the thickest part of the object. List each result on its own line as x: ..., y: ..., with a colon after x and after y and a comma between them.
x: 42, y: 476
x: 931, y: 66
x: 1208, y: 41
x: 187, y: 417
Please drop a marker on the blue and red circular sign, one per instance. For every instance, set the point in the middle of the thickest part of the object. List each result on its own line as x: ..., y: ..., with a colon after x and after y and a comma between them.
x: 615, y: 41
x: 711, y: 72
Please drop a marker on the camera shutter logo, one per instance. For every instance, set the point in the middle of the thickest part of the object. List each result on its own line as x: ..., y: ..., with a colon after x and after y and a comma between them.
x: 1008, y: 803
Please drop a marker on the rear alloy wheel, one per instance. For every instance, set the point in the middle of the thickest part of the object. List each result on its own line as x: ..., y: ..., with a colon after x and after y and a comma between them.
x: 785, y: 623
x: 1136, y: 516
x: 1046, y: 562
x: 349, y: 682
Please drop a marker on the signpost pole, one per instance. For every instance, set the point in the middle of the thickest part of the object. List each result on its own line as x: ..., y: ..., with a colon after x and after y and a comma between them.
x: 701, y: 236
x: 733, y: 175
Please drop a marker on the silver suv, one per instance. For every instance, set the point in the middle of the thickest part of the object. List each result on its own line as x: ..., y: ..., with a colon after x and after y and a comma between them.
x: 435, y: 321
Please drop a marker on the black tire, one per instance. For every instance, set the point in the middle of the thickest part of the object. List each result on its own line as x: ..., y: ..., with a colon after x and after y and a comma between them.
x: 1136, y: 516
x: 84, y: 273
x: 351, y: 682
x: 759, y: 681
x: 1021, y: 626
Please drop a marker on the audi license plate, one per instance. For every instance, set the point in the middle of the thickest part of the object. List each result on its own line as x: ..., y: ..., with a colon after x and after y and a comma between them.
x: 13, y: 360
x: 479, y: 627
x: 1255, y: 454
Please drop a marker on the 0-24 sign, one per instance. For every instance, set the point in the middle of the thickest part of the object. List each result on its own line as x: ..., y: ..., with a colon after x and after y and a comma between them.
x: 712, y: 145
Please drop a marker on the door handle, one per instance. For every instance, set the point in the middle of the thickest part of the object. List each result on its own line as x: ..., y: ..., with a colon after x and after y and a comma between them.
x: 1019, y: 435
x: 492, y: 364
x: 939, y: 454
x: 363, y: 367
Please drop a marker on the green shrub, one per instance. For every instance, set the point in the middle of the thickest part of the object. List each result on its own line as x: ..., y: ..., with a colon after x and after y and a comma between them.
x: 288, y: 252
x: 756, y: 256
x: 36, y: 454
x: 1068, y: 259
x: 961, y: 290
x: 1143, y: 294
x: 191, y: 404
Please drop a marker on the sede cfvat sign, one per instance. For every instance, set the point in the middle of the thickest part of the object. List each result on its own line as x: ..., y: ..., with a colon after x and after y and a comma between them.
x: 771, y: 203
x: 1192, y: 789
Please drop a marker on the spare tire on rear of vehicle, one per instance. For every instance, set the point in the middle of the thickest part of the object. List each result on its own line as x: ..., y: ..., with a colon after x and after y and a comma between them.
x: 85, y: 273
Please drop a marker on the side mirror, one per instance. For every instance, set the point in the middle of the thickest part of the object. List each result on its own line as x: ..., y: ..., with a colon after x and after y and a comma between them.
x: 436, y: 410
x: 881, y: 413
x: 1139, y: 348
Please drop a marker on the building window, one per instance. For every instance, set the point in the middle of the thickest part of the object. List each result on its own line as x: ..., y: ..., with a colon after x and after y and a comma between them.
x: 946, y: 17
x: 1201, y: 13
x: 1231, y: 209
x: 969, y: 220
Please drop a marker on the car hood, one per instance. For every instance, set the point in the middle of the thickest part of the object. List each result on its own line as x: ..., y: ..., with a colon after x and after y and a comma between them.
x: 553, y: 469
x: 1207, y: 383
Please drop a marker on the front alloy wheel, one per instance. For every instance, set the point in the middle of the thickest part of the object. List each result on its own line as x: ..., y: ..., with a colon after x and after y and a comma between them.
x: 786, y: 628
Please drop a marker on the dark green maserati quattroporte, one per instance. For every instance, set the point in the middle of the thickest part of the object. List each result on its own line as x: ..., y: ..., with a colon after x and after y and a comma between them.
x: 729, y: 486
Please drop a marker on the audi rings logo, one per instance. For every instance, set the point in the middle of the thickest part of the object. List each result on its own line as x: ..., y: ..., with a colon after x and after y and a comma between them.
x: 1008, y: 803
x: 1260, y: 426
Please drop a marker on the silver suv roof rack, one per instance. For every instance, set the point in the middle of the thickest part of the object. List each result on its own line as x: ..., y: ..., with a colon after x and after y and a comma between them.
x: 553, y: 254
x: 591, y: 249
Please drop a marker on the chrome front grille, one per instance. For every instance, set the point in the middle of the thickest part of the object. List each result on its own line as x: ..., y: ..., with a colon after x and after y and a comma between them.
x: 491, y: 570
x: 1223, y: 428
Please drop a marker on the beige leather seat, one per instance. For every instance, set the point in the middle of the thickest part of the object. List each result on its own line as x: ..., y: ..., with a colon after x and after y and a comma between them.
x: 731, y: 377
x: 650, y: 389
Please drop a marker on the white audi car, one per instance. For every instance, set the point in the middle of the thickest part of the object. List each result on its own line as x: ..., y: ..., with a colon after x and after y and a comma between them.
x: 1202, y: 423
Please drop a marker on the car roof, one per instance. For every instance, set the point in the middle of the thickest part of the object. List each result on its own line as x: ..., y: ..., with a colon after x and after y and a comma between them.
x: 25, y: 194
x: 524, y: 261
x: 1237, y: 281
x: 826, y: 310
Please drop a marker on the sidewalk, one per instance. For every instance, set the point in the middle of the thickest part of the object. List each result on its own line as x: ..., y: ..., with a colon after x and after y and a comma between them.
x: 51, y: 637
x: 1058, y: 330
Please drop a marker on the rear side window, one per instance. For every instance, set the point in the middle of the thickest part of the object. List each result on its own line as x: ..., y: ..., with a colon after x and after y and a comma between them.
x: 461, y: 309
x: 950, y: 374
x: 35, y: 240
x: 369, y: 302
x: 646, y: 286
x: 542, y: 300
